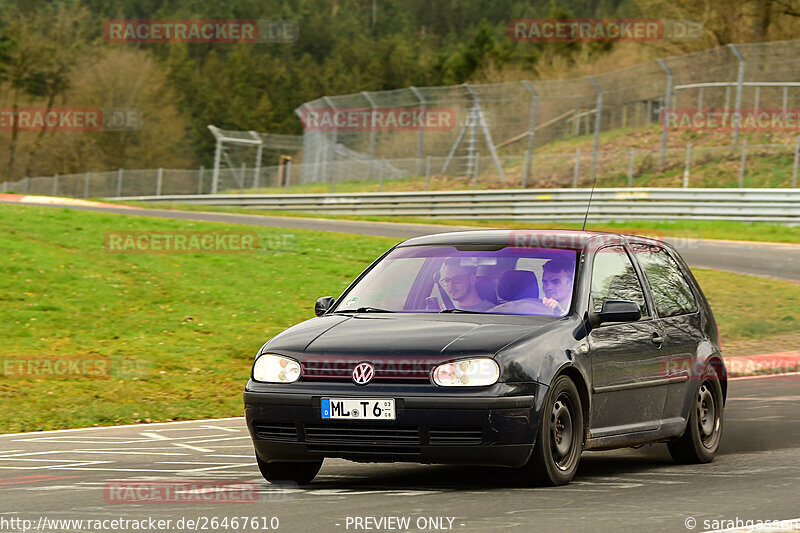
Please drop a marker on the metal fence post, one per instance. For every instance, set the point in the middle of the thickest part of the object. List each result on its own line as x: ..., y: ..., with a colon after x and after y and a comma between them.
x: 159, y: 180
x: 525, y: 164
x: 785, y: 99
x: 743, y: 163
x: 667, y: 97
x: 631, y: 164
x: 739, y: 87
x: 796, y: 161
x: 428, y: 173
x: 200, y: 180
x: 531, y: 132
x: 476, y: 171
x: 287, y: 169
x: 259, y: 151
x: 687, y: 166
x: 380, y: 175
x: 55, y: 185
x: 215, y: 173
x: 333, y: 166
x: 757, y: 98
x: 372, y: 131
x: 597, y: 124
x: 577, y: 171
x: 119, y: 182
x: 85, y: 185
x: 486, y: 135
x: 421, y: 129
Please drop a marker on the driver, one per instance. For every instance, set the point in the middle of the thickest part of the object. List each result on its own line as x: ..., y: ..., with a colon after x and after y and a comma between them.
x: 458, y: 281
x: 557, y: 284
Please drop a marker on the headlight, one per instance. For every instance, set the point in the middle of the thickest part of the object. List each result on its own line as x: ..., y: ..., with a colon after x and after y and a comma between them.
x: 271, y: 368
x: 467, y: 373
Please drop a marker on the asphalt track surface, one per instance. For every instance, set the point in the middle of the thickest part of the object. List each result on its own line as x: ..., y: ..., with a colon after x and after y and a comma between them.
x: 762, y: 259
x: 64, y: 475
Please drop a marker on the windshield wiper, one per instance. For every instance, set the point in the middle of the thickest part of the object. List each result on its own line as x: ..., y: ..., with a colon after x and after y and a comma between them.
x: 364, y: 310
x: 462, y: 311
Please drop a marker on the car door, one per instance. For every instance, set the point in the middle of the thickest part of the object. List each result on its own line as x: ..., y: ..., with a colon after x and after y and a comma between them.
x: 627, y: 385
x: 677, y: 309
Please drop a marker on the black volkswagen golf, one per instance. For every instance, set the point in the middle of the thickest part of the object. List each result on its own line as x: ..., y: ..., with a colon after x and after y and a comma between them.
x: 501, y: 347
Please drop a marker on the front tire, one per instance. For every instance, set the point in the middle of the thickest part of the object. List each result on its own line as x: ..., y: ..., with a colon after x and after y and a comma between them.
x: 287, y: 473
x: 700, y: 442
x: 559, y: 442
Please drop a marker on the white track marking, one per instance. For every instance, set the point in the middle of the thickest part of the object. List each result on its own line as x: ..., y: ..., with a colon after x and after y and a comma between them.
x: 232, y: 430
x: 776, y: 376
x: 222, y: 439
x: 155, y: 436
x: 195, y: 448
x: 132, y: 426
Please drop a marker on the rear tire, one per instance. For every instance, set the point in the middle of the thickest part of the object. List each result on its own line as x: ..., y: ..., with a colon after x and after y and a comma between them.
x: 700, y: 442
x: 559, y: 441
x: 300, y: 473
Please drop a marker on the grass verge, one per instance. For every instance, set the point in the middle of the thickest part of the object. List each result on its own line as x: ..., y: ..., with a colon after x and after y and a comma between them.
x: 180, y: 330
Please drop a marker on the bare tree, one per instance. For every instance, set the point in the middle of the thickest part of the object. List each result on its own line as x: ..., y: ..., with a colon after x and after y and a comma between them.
x: 46, y: 45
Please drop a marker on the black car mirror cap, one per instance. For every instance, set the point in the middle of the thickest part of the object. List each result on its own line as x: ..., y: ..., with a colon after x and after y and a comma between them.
x: 618, y: 311
x: 323, y: 304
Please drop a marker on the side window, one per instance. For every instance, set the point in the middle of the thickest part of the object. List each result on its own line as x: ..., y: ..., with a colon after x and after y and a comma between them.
x: 671, y: 291
x: 613, y: 278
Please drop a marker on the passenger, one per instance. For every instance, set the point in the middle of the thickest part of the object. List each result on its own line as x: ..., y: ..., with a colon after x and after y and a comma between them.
x: 458, y: 281
x: 557, y: 277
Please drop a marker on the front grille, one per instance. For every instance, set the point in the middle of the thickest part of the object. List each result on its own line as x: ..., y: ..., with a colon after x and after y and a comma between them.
x: 395, y: 370
x: 359, y: 434
x: 276, y: 430
x: 455, y: 435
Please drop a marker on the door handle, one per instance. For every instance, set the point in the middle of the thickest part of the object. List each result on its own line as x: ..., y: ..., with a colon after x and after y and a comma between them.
x: 657, y: 339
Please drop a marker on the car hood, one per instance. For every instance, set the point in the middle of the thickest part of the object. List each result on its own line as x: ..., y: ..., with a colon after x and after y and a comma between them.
x: 404, y: 335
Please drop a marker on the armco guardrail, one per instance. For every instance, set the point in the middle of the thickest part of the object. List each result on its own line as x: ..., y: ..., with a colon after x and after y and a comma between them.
x: 764, y: 205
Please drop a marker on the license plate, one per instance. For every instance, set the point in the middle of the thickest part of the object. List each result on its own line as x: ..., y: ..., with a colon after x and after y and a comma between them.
x: 358, y: 408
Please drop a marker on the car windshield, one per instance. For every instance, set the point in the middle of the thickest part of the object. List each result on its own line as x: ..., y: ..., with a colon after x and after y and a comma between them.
x: 449, y: 279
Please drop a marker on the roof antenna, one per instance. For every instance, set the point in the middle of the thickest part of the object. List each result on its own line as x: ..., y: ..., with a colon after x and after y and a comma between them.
x: 591, y: 193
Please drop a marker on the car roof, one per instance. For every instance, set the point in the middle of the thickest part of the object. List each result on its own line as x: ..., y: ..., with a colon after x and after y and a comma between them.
x: 529, y: 238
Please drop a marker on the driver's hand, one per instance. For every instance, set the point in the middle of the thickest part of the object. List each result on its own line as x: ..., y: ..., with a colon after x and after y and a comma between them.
x: 433, y: 304
x: 553, y: 304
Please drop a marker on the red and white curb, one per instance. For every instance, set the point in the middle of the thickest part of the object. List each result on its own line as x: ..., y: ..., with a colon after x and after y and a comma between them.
x: 763, y: 365
x: 54, y: 200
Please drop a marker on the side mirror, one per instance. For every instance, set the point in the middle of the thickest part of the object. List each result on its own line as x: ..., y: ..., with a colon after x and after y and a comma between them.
x: 618, y: 311
x: 323, y: 304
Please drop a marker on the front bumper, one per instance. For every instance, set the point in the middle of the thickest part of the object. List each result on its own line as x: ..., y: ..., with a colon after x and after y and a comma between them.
x: 492, y: 426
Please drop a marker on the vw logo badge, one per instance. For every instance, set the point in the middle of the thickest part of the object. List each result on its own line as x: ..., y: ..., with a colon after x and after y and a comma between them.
x: 363, y: 373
